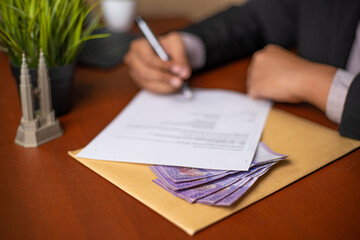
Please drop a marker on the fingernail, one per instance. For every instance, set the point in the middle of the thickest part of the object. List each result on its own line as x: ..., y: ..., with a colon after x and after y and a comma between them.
x: 184, y: 73
x: 175, y: 69
x: 181, y: 71
x: 175, y: 82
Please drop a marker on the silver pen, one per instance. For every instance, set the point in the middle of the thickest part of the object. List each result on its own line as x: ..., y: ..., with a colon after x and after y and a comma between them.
x: 160, y: 51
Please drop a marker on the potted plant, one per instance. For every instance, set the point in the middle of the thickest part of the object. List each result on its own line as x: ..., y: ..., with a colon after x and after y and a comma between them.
x: 59, y: 28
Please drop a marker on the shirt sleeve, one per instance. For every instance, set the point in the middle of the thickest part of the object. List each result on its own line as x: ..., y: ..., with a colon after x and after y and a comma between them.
x: 337, y: 94
x: 350, y: 119
x: 195, y: 50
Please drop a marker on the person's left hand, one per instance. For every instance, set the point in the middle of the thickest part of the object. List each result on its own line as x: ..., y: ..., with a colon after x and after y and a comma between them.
x: 277, y: 74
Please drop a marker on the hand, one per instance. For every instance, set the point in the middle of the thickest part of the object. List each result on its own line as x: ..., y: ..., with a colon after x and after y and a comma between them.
x: 153, y: 74
x: 277, y: 74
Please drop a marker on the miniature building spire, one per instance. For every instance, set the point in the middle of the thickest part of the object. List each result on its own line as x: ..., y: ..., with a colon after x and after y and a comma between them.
x: 44, y: 86
x: 36, y: 129
x: 27, y: 101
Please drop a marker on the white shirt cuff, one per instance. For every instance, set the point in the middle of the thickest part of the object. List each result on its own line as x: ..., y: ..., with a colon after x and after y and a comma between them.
x: 195, y: 50
x: 337, y: 95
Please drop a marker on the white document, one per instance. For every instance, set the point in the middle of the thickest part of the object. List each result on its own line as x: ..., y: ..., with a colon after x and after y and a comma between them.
x: 217, y: 129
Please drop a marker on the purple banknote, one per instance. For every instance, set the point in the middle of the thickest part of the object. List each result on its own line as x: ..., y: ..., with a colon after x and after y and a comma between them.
x: 184, y: 174
x: 215, y: 187
x: 219, y: 195
x: 181, y: 174
x: 233, y: 197
x: 264, y: 155
x: 183, y: 185
x: 194, y: 193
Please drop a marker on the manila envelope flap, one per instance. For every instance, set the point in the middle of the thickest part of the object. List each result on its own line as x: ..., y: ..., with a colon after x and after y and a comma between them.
x: 309, y: 146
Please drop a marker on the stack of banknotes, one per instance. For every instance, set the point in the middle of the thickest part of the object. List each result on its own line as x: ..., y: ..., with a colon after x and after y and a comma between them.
x: 215, y: 187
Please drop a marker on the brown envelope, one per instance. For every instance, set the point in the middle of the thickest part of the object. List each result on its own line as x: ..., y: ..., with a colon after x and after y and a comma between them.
x: 309, y: 146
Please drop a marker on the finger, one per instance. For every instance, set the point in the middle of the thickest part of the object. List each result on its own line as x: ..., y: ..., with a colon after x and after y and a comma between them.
x: 153, y: 86
x: 249, y: 76
x: 158, y: 87
x: 173, y: 44
x: 149, y: 73
x: 252, y: 82
x: 144, y: 51
x: 146, y: 75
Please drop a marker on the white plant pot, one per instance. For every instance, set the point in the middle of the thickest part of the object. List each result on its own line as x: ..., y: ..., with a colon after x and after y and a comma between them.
x: 119, y: 14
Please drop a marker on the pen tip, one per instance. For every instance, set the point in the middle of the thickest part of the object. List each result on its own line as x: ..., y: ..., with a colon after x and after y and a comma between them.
x: 188, y: 94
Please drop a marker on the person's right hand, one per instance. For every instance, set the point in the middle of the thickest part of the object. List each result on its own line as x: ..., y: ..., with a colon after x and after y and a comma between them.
x: 153, y: 74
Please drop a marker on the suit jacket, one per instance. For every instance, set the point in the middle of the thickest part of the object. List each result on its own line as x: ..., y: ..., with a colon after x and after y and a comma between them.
x: 322, y: 31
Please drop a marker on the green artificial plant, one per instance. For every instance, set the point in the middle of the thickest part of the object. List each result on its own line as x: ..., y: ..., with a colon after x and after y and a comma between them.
x: 58, y: 27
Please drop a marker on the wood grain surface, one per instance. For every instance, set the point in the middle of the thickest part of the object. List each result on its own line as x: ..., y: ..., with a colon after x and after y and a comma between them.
x: 45, y: 194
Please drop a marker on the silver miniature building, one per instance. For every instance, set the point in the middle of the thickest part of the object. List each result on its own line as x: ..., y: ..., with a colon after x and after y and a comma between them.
x: 36, y: 126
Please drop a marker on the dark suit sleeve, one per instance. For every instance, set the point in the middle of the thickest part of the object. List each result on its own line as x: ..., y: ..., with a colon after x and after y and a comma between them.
x: 350, y: 121
x: 240, y: 31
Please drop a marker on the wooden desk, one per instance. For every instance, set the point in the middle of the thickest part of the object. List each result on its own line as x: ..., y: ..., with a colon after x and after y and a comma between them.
x: 45, y: 194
